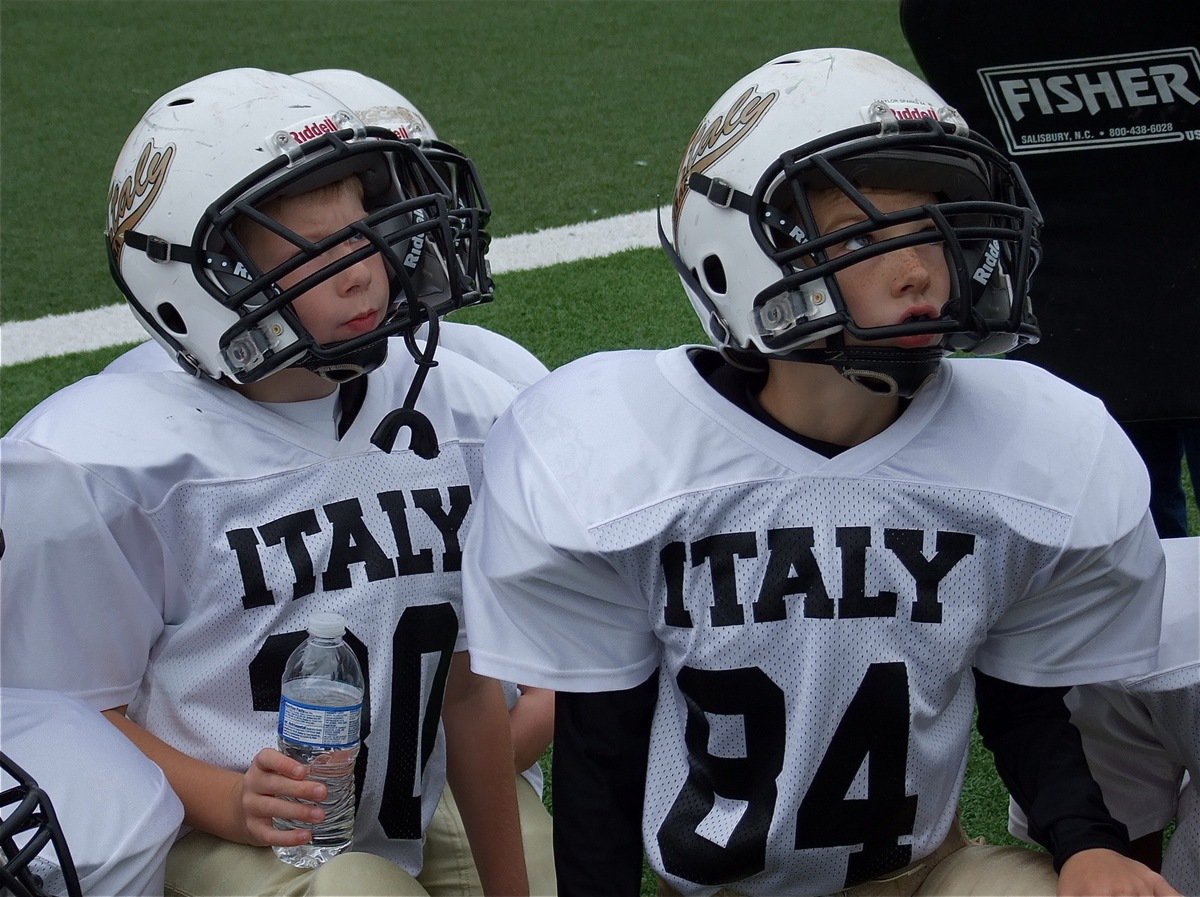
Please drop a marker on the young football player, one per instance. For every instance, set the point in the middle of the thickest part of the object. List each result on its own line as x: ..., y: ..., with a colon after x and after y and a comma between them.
x: 172, y: 534
x: 448, y: 866
x: 1142, y: 734
x: 770, y: 581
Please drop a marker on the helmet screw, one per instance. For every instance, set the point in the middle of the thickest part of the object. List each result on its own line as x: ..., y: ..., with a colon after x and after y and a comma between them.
x: 818, y: 298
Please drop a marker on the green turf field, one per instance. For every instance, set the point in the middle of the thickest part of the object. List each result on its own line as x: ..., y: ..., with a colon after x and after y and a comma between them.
x: 573, y: 111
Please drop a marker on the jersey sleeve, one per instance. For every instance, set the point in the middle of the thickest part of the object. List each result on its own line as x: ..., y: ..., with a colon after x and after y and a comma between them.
x: 542, y: 606
x: 1093, y: 614
x: 78, y: 612
x: 119, y: 826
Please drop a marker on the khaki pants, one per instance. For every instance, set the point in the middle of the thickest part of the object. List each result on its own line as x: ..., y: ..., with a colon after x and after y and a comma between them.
x: 201, y: 864
x: 449, y: 869
x: 958, y: 868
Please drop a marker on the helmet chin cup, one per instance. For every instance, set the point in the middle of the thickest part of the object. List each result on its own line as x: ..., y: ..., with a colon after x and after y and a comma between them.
x: 887, y: 372
x: 351, y: 364
x: 883, y: 370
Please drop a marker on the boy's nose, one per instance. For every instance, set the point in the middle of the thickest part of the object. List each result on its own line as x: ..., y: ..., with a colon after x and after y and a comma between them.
x: 910, y: 272
x: 357, y: 277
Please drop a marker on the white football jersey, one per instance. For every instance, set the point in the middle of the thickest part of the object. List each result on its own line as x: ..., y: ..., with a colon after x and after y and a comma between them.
x: 116, y: 810
x: 814, y: 619
x: 1142, y: 734
x: 492, y: 350
x: 171, y: 539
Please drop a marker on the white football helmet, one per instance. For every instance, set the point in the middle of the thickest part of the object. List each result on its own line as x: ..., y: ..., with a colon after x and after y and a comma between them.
x: 748, y: 250
x: 212, y: 152
x: 378, y: 104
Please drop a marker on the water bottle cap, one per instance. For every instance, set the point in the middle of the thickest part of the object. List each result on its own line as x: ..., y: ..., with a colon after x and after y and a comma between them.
x: 326, y: 625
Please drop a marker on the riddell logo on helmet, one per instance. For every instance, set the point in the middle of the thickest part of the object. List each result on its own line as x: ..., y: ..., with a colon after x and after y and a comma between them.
x: 413, y: 257
x: 910, y: 113
x: 314, y: 129
x: 990, y: 259
x: 713, y: 139
x: 130, y: 199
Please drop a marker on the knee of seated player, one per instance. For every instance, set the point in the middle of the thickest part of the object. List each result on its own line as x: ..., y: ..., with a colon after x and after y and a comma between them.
x: 991, y: 869
x: 362, y: 874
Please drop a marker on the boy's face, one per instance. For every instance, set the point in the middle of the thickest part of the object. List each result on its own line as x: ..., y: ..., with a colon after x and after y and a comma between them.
x: 895, y: 287
x: 349, y: 303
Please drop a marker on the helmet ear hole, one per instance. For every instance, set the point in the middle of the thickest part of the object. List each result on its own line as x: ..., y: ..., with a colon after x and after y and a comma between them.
x: 714, y: 274
x: 171, y: 318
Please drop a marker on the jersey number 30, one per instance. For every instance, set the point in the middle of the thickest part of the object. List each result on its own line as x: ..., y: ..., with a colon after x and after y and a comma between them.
x: 873, y: 730
x: 422, y: 630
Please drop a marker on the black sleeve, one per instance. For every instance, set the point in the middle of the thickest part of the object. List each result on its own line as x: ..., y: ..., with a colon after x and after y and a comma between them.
x: 601, y: 743
x: 1039, y: 756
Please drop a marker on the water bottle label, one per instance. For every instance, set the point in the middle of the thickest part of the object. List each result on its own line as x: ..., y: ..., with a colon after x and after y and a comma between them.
x: 328, y: 728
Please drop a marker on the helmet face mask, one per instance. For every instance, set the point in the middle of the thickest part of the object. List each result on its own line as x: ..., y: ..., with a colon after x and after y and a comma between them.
x: 27, y: 824
x: 381, y: 105
x: 469, y: 213
x: 976, y: 232
x: 174, y: 245
x: 412, y: 237
x: 842, y: 123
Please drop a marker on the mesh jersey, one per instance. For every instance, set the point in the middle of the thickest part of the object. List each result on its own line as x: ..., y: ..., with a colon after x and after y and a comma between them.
x: 172, y: 538
x: 492, y: 350
x: 1142, y: 734
x: 117, y: 812
x: 814, y: 620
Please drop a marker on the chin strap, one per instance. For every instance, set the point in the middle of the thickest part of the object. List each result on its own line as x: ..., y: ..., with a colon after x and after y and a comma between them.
x: 424, y: 438
x: 351, y: 366
x: 885, y: 371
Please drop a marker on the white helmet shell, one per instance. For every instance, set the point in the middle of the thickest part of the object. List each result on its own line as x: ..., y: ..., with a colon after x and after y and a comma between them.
x: 165, y: 178
x: 202, y: 154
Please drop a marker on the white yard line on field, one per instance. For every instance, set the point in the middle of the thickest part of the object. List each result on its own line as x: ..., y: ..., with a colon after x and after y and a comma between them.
x: 112, y: 325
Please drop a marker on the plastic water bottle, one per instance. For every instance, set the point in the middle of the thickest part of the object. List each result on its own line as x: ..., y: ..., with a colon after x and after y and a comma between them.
x: 319, y: 715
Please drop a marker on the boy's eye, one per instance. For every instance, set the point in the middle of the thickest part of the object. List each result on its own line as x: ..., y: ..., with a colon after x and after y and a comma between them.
x: 862, y: 241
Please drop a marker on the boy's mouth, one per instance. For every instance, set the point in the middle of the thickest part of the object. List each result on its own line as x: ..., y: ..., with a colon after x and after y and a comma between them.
x: 914, y: 315
x: 364, y: 322
x: 920, y: 313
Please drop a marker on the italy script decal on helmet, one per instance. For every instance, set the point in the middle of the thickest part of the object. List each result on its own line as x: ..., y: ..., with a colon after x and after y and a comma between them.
x: 713, y: 139
x: 130, y: 199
